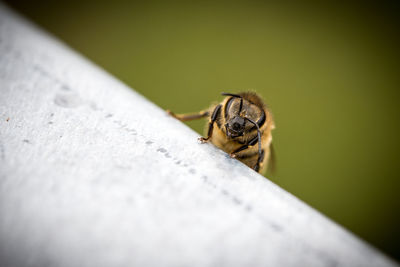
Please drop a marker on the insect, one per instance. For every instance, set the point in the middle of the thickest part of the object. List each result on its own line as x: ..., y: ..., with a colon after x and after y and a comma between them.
x: 240, y: 125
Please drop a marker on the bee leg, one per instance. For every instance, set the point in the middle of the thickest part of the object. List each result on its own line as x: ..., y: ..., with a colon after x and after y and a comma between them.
x: 259, y: 160
x: 234, y: 153
x: 260, y: 152
x: 214, y: 117
x: 188, y: 117
x: 252, y: 142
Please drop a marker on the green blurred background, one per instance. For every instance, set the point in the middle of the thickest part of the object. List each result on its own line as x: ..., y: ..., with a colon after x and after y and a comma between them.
x: 329, y: 72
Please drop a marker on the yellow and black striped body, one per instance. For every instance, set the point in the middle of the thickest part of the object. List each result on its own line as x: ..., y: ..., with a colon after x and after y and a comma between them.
x: 240, y: 125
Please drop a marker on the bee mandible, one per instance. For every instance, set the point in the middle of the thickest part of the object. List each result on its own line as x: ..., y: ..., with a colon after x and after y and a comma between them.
x: 241, y: 125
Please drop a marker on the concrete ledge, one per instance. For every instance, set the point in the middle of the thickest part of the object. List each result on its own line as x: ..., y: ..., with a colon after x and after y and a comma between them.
x: 93, y: 174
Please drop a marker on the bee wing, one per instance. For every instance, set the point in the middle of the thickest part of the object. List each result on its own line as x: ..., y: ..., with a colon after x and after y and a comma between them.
x: 272, y: 160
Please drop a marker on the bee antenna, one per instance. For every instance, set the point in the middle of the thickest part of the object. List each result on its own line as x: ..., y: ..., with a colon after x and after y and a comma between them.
x: 229, y: 94
x: 258, y: 134
x: 238, y: 96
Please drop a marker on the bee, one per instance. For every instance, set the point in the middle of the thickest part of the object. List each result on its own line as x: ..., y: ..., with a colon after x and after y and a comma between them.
x: 241, y: 125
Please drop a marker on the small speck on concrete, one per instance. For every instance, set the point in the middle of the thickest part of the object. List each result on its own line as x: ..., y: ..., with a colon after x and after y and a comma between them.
x: 162, y: 150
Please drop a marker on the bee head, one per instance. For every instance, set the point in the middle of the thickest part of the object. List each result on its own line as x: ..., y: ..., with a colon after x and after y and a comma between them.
x: 235, y: 127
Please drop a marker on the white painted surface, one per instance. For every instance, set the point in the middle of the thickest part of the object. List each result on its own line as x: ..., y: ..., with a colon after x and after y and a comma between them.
x: 93, y: 174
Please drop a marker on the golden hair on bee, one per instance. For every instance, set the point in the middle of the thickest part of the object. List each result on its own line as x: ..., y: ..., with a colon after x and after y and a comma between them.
x: 241, y: 125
